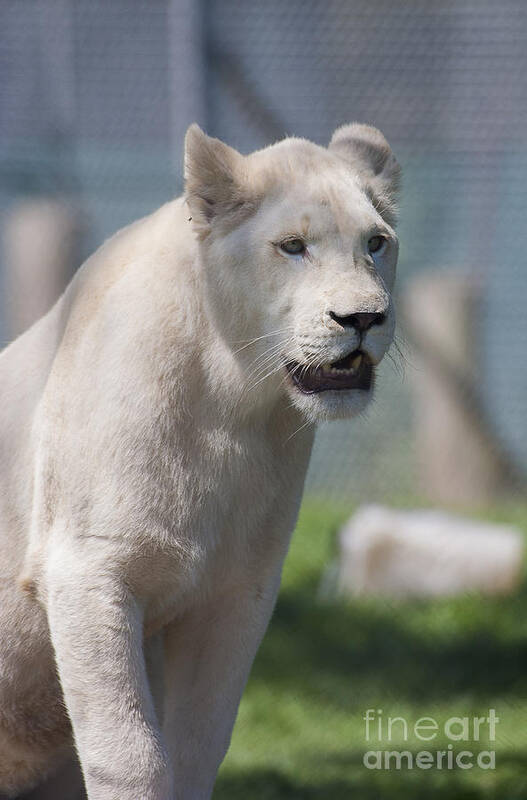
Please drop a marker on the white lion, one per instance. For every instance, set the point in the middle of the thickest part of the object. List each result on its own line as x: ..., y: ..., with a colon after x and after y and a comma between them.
x: 155, y: 430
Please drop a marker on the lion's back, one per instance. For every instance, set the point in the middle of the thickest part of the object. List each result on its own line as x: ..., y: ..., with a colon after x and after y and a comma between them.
x: 24, y: 369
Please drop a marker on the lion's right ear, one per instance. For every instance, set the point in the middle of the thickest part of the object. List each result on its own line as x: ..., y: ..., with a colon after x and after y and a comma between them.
x: 214, y: 179
x: 367, y: 151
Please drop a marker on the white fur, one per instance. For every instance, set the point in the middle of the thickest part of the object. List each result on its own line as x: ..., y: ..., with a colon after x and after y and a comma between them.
x: 153, y: 452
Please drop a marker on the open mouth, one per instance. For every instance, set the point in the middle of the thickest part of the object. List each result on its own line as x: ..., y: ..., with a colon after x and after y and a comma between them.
x: 354, y: 371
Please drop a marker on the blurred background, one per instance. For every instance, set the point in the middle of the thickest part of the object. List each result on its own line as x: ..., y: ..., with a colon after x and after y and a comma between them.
x: 95, y: 98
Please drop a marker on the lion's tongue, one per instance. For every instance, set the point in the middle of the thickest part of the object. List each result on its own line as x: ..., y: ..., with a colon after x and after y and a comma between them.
x: 339, y: 375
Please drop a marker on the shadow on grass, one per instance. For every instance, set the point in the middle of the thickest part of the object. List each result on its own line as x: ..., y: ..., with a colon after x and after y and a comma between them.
x: 368, y: 785
x: 344, y: 650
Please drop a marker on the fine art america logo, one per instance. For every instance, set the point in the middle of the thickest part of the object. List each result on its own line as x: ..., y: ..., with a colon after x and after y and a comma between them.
x: 381, y: 730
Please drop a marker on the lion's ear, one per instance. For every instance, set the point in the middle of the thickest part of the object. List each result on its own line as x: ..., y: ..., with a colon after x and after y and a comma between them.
x: 370, y: 155
x: 213, y: 178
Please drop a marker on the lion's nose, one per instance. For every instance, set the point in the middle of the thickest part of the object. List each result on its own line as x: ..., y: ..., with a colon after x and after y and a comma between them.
x: 361, y: 321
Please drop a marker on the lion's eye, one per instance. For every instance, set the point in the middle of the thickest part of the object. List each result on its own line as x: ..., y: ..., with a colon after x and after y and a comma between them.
x: 294, y: 247
x: 375, y: 244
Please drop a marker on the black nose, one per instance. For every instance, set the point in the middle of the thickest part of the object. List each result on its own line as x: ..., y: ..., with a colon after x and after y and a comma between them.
x: 361, y: 321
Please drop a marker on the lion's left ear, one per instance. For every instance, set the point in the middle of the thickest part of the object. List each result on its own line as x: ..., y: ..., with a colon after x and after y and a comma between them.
x: 370, y: 155
x: 214, y: 179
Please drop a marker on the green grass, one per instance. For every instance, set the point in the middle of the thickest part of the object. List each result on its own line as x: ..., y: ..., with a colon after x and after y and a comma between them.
x: 300, y: 732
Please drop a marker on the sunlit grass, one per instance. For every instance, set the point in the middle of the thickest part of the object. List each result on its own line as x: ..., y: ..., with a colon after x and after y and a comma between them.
x: 300, y: 731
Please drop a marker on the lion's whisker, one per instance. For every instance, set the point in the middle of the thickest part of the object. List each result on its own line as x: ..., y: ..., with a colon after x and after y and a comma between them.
x: 248, y: 343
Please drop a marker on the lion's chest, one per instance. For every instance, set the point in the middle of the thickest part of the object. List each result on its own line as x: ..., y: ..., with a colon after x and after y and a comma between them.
x: 233, y: 507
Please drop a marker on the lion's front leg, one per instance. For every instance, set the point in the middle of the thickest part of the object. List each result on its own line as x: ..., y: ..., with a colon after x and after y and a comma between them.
x: 208, y: 656
x: 96, y: 630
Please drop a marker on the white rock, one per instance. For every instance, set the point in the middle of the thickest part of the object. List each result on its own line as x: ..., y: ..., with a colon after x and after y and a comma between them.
x: 426, y: 553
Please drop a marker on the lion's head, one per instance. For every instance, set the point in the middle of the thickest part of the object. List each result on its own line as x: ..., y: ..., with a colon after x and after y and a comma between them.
x: 299, y: 252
